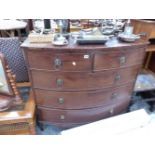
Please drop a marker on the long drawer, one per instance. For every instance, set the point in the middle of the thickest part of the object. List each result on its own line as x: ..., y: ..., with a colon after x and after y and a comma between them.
x: 50, y: 60
x: 80, y: 116
x: 83, y: 81
x: 118, y: 59
x: 80, y: 100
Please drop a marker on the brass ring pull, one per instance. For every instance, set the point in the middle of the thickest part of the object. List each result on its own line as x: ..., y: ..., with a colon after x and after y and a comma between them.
x: 57, y: 63
x: 122, y: 60
x: 59, y: 82
x: 111, y: 111
x: 62, y: 117
x: 61, y: 100
x: 1, y: 84
x: 117, y: 77
x: 114, y: 95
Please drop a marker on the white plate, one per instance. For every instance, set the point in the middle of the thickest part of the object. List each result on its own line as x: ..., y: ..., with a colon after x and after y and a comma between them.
x: 128, y: 38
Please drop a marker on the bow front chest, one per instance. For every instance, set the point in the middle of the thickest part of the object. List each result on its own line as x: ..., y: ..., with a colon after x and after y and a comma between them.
x: 75, y: 85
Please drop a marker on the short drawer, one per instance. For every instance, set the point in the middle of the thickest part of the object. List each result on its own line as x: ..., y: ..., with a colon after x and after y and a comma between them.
x: 80, y: 100
x: 118, y: 59
x: 83, y: 81
x: 80, y: 116
x: 48, y: 60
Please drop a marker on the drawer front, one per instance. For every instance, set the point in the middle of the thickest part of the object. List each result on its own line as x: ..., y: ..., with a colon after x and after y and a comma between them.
x: 83, y: 81
x: 118, y: 59
x: 80, y: 100
x: 80, y: 116
x: 49, y: 60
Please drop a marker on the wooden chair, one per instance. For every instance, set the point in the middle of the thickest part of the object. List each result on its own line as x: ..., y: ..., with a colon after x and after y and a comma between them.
x: 10, y: 47
x: 19, y: 122
x: 18, y: 116
x: 147, y: 26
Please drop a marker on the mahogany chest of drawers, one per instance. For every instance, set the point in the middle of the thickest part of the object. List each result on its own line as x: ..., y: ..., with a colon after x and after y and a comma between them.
x: 75, y: 85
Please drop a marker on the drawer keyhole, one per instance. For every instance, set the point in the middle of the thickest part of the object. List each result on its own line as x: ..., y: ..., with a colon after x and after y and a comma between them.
x: 74, y: 63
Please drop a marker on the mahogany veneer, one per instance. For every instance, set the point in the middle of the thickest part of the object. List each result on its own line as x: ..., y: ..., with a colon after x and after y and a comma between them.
x: 75, y: 85
x: 95, y: 98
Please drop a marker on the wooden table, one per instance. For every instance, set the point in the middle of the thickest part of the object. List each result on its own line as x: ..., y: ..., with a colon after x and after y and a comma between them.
x: 8, y: 27
x: 20, y: 121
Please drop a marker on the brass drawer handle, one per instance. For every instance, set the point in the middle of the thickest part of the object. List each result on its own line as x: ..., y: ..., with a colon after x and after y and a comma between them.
x: 57, y: 63
x: 122, y: 60
x: 61, y: 100
x: 1, y: 84
x: 59, y: 82
x: 62, y: 117
x: 111, y: 111
x: 117, y: 77
x: 114, y: 95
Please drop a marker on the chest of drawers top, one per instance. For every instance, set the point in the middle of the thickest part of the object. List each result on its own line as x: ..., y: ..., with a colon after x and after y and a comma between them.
x: 113, y: 44
x: 75, y: 58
